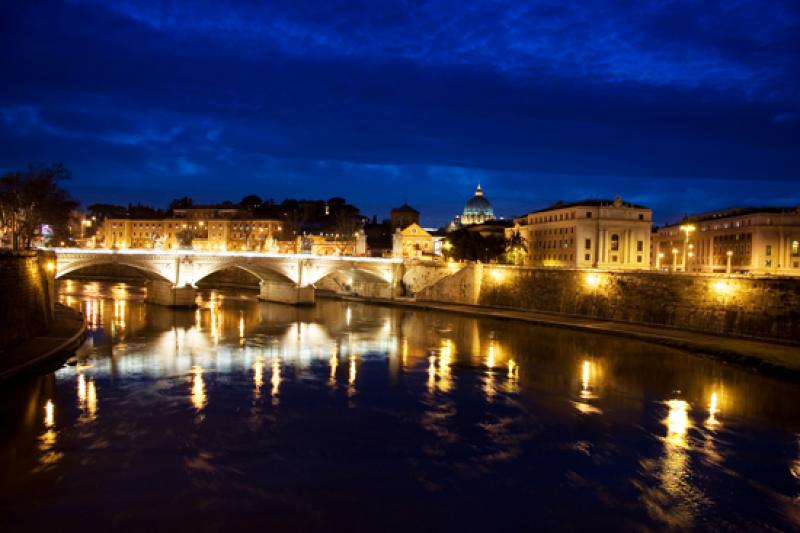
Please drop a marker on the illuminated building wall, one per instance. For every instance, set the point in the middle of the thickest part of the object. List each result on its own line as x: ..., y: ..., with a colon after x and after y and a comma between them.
x: 593, y: 233
x: 761, y: 241
x: 212, y: 234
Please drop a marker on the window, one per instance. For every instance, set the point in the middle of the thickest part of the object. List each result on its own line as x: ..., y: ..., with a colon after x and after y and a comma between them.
x: 588, y: 214
x: 795, y: 247
x: 768, y: 263
x: 639, y: 246
x: 614, y: 258
x: 769, y: 249
x: 615, y: 243
x: 641, y: 216
x: 587, y: 257
x: 638, y: 258
x: 588, y: 244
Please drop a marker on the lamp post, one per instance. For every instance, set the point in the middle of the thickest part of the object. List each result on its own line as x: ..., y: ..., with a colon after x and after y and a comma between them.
x: 674, y: 259
x: 729, y: 253
x: 659, y: 257
x: 691, y: 259
x: 687, y: 229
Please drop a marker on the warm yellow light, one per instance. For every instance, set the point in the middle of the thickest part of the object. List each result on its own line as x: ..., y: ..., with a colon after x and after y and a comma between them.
x: 50, y: 266
x: 198, y: 388
x: 592, y: 280
x: 498, y: 274
x: 49, y: 414
x: 661, y: 255
x: 729, y: 253
x: 677, y: 422
x: 713, y: 409
x: 723, y: 288
x: 674, y: 251
x: 258, y: 375
x: 688, y: 228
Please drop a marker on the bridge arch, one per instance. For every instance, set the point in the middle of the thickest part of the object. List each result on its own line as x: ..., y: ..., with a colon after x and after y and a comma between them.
x: 151, y: 271
x: 262, y: 272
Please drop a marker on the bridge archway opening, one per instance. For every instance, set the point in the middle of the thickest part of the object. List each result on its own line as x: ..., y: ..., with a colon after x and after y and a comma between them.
x: 342, y: 279
x: 240, y: 275
x: 111, y: 271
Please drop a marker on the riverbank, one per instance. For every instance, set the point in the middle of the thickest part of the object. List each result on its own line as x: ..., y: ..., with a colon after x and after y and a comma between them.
x: 50, y: 348
x: 772, y: 359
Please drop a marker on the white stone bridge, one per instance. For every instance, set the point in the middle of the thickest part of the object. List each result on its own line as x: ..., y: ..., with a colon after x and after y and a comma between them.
x: 287, y: 278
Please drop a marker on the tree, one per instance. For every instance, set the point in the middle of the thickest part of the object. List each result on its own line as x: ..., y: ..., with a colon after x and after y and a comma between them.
x: 516, y: 250
x: 32, y: 199
x: 181, y: 203
x: 345, y: 226
x: 472, y: 246
x: 251, y: 201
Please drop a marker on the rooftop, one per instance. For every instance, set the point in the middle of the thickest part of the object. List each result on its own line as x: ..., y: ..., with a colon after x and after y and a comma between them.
x: 735, y: 212
x: 590, y: 203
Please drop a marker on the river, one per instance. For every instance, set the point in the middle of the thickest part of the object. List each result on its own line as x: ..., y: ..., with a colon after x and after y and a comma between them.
x: 358, y: 417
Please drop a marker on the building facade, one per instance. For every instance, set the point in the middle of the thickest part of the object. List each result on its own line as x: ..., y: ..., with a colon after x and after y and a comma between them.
x: 587, y: 234
x: 213, y: 234
x: 754, y: 240
x: 412, y: 241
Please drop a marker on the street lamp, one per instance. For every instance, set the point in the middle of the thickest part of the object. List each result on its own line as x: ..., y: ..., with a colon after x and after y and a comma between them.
x: 674, y: 259
x: 659, y: 257
x: 686, y: 228
x: 729, y: 253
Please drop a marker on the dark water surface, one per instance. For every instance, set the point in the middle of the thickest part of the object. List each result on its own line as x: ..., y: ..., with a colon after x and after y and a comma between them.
x: 351, y: 417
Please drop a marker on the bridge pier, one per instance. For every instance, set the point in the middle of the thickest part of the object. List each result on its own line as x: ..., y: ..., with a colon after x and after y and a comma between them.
x: 373, y: 289
x: 286, y: 293
x: 165, y: 293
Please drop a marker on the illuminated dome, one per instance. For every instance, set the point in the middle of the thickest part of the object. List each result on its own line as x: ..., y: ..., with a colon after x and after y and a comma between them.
x: 478, y: 209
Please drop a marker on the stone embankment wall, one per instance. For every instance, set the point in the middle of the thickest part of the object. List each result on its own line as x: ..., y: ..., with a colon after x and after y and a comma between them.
x: 742, y: 306
x: 27, y: 295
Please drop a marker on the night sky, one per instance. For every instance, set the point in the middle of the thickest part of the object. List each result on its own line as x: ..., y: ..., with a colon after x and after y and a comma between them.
x: 684, y: 108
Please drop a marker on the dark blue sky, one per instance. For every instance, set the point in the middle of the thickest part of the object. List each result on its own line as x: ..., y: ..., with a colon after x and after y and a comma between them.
x: 686, y: 107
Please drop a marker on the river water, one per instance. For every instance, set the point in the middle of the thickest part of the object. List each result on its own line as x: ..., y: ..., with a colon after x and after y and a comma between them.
x: 356, y: 417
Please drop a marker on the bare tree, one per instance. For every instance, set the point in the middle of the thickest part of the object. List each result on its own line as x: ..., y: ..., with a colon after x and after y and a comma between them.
x: 32, y: 199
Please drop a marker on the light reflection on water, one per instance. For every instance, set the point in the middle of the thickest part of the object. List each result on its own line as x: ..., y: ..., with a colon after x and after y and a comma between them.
x: 426, y: 407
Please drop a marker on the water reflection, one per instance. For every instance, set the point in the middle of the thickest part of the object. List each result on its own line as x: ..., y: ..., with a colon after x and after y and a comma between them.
x: 258, y: 376
x: 434, y: 404
x: 198, y: 388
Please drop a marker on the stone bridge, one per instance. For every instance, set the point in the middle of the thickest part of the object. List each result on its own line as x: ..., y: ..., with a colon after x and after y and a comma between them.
x: 288, y: 278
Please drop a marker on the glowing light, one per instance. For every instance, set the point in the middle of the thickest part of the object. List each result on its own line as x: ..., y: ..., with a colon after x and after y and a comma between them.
x: 241, y: 325
x: 258, y: 376
x: 490, y: 355
x: 334, y: 363
x: 275, y: 380
x: 348, y: 315
x: 50, y: 266
x: 198, y: 388
x: 431, y: 373
x: 498, y: 274
x: 722, y: 288
x: 81, y: 389
x: 91, y: 400
x: 585, y: 379
x: 592, y: 280
x: 677, y: 422
x: 49, y: 414
x: 713, y: 409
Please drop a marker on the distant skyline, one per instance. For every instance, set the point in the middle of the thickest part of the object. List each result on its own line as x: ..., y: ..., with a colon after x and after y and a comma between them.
x: 684, y: 108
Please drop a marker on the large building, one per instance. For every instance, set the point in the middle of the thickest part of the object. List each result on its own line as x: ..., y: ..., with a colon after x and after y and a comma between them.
x: 756, y: 240
x: 587, y: 234
x: 199, y: 229
x: 477, y: 210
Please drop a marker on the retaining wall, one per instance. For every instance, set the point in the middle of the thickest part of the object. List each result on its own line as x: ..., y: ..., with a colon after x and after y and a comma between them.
x: 27, y: 295
x: 743, y: 306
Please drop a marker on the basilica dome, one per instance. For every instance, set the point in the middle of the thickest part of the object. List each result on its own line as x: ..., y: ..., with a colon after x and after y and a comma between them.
x: 478, y: 209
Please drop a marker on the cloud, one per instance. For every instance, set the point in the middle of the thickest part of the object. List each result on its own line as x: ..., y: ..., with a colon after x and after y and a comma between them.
x: 385, y: 102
